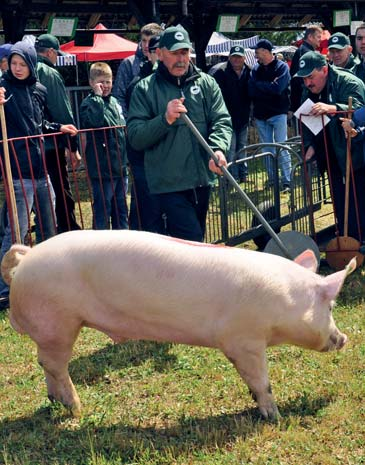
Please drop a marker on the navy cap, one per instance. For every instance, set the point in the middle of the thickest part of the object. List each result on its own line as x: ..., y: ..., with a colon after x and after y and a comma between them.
x: 264, y: 43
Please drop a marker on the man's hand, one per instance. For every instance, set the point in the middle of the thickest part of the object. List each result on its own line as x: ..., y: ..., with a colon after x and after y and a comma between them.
x: 74, y: 158
x: 174, y: 108
x: 348, y: 127
x: 221, y: 162
x: 69, y: 129
x: 321, y: 108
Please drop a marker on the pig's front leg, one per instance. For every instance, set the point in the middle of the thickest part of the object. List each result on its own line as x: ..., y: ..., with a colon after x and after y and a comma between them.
x: 250, y: 362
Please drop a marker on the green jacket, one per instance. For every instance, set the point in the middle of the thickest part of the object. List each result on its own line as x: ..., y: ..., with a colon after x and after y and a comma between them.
x: 105, y: 149
x: 174, y: 160
x: 57, y: 103
x: 341, y: 85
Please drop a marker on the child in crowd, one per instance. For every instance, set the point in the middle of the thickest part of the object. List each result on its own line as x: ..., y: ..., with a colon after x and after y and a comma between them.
x: 24, y: 100
x: 105, y: 152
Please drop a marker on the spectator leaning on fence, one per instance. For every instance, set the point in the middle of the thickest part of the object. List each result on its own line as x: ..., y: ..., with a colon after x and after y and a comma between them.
x: 269, y: 89
x: 24, y: 112
x: 59, y: 108
x: 130, y: 66
x: 105, y: 154
x: 177, y: 168
x: 232, y: 78
x: 330, y: 88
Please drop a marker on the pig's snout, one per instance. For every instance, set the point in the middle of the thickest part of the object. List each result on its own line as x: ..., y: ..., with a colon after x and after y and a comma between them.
x: 335, y: 342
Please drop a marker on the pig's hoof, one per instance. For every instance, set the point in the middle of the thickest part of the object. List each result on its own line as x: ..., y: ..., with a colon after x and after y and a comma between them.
x: 270, y: 413
x: 75, y: 411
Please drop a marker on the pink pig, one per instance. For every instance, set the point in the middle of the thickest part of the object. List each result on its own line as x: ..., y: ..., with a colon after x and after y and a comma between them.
x: 138, y: 285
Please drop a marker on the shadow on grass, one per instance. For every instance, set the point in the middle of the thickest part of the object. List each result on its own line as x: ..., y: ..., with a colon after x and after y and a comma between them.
x: 92, y: 367
x: 43, y: 439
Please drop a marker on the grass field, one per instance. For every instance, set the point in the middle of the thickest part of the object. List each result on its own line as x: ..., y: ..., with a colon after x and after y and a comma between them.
x: 153, y: 404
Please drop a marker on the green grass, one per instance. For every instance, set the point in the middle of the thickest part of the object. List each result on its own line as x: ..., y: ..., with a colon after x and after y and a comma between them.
x: 154, y: 404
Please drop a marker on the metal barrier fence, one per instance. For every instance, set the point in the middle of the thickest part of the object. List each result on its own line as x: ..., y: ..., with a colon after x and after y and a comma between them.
x: 305, y: 208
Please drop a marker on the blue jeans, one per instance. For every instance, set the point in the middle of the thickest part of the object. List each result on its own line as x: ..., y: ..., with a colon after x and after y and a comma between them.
x: 274, y: 130
x: 239, y: 141
x: 40, y: 199
x: 109, y: 203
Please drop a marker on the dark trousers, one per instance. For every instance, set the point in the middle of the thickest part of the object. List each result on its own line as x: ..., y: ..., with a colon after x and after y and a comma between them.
x: 65, y: 204
x: 355, y: 229
x: 145, y: 210
x: 186, y: 212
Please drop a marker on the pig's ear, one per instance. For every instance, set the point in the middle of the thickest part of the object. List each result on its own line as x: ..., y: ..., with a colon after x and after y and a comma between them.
x: 308, y: 260
x: 334, y: 282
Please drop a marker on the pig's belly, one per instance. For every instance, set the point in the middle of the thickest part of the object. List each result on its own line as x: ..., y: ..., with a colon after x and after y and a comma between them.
x: 121, y: 329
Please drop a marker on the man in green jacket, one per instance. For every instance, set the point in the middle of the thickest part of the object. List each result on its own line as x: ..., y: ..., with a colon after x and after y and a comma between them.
x: 178, y: 170
x: 59, y: 108
x: 329, y: 88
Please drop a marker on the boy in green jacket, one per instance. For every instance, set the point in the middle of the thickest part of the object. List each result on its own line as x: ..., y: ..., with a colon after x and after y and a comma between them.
x: 105, y: 150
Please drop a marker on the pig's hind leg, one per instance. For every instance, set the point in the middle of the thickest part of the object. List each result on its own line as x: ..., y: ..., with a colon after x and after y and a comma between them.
x: 54, y: 360
x: 250, y: 362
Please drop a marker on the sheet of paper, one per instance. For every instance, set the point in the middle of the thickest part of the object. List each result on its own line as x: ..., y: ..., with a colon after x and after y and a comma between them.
x: 314, y: 123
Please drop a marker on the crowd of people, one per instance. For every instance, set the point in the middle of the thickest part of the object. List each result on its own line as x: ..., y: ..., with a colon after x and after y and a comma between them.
x: 170, y: 173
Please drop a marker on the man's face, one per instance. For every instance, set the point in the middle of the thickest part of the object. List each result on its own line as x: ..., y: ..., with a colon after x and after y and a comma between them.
x: 237, y: 62
x: 263, y: 56
x: 316, y: 81
x: 360, y: 42
x: 145, y: 40
x: 340, y: 57
x: 315, y: 39
x: 176, y: 62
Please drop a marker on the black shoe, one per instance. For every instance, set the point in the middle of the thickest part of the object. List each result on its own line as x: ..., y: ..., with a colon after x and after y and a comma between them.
x: 4, y: 303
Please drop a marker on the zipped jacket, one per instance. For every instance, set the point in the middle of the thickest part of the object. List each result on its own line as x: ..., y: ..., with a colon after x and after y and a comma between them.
x: 174, y: 159
x: 269, y: 88
x: 24, y: 114
x: 105, y: 149
x: 58, y: 104
x: 341, y: 84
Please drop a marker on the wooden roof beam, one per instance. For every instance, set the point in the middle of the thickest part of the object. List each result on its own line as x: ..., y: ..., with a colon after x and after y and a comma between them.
x: 244, y: 19
x: 276, y: 20
x: 305, y: 20
x: 93, y: 20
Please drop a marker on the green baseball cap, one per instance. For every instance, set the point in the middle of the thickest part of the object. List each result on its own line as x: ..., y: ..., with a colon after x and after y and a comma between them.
x: 338, y: 40
x: 175, y: 38
x: 237, y: 50
x: 49, y: 41
x: 309, y: 62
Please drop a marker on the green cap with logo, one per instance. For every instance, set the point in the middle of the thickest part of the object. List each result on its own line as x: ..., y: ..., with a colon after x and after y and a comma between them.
x: 175, y: 38
x: 237, y: 50
x: 309, y: 62
x: 338, y: 40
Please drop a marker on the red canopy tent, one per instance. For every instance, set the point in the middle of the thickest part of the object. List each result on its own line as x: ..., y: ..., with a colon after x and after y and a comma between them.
x: 105, y: 47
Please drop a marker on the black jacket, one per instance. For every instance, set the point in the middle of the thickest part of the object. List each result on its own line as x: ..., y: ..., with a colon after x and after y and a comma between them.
x: 235, y: 92
x: 24, y: 115
x: 296, y: 83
